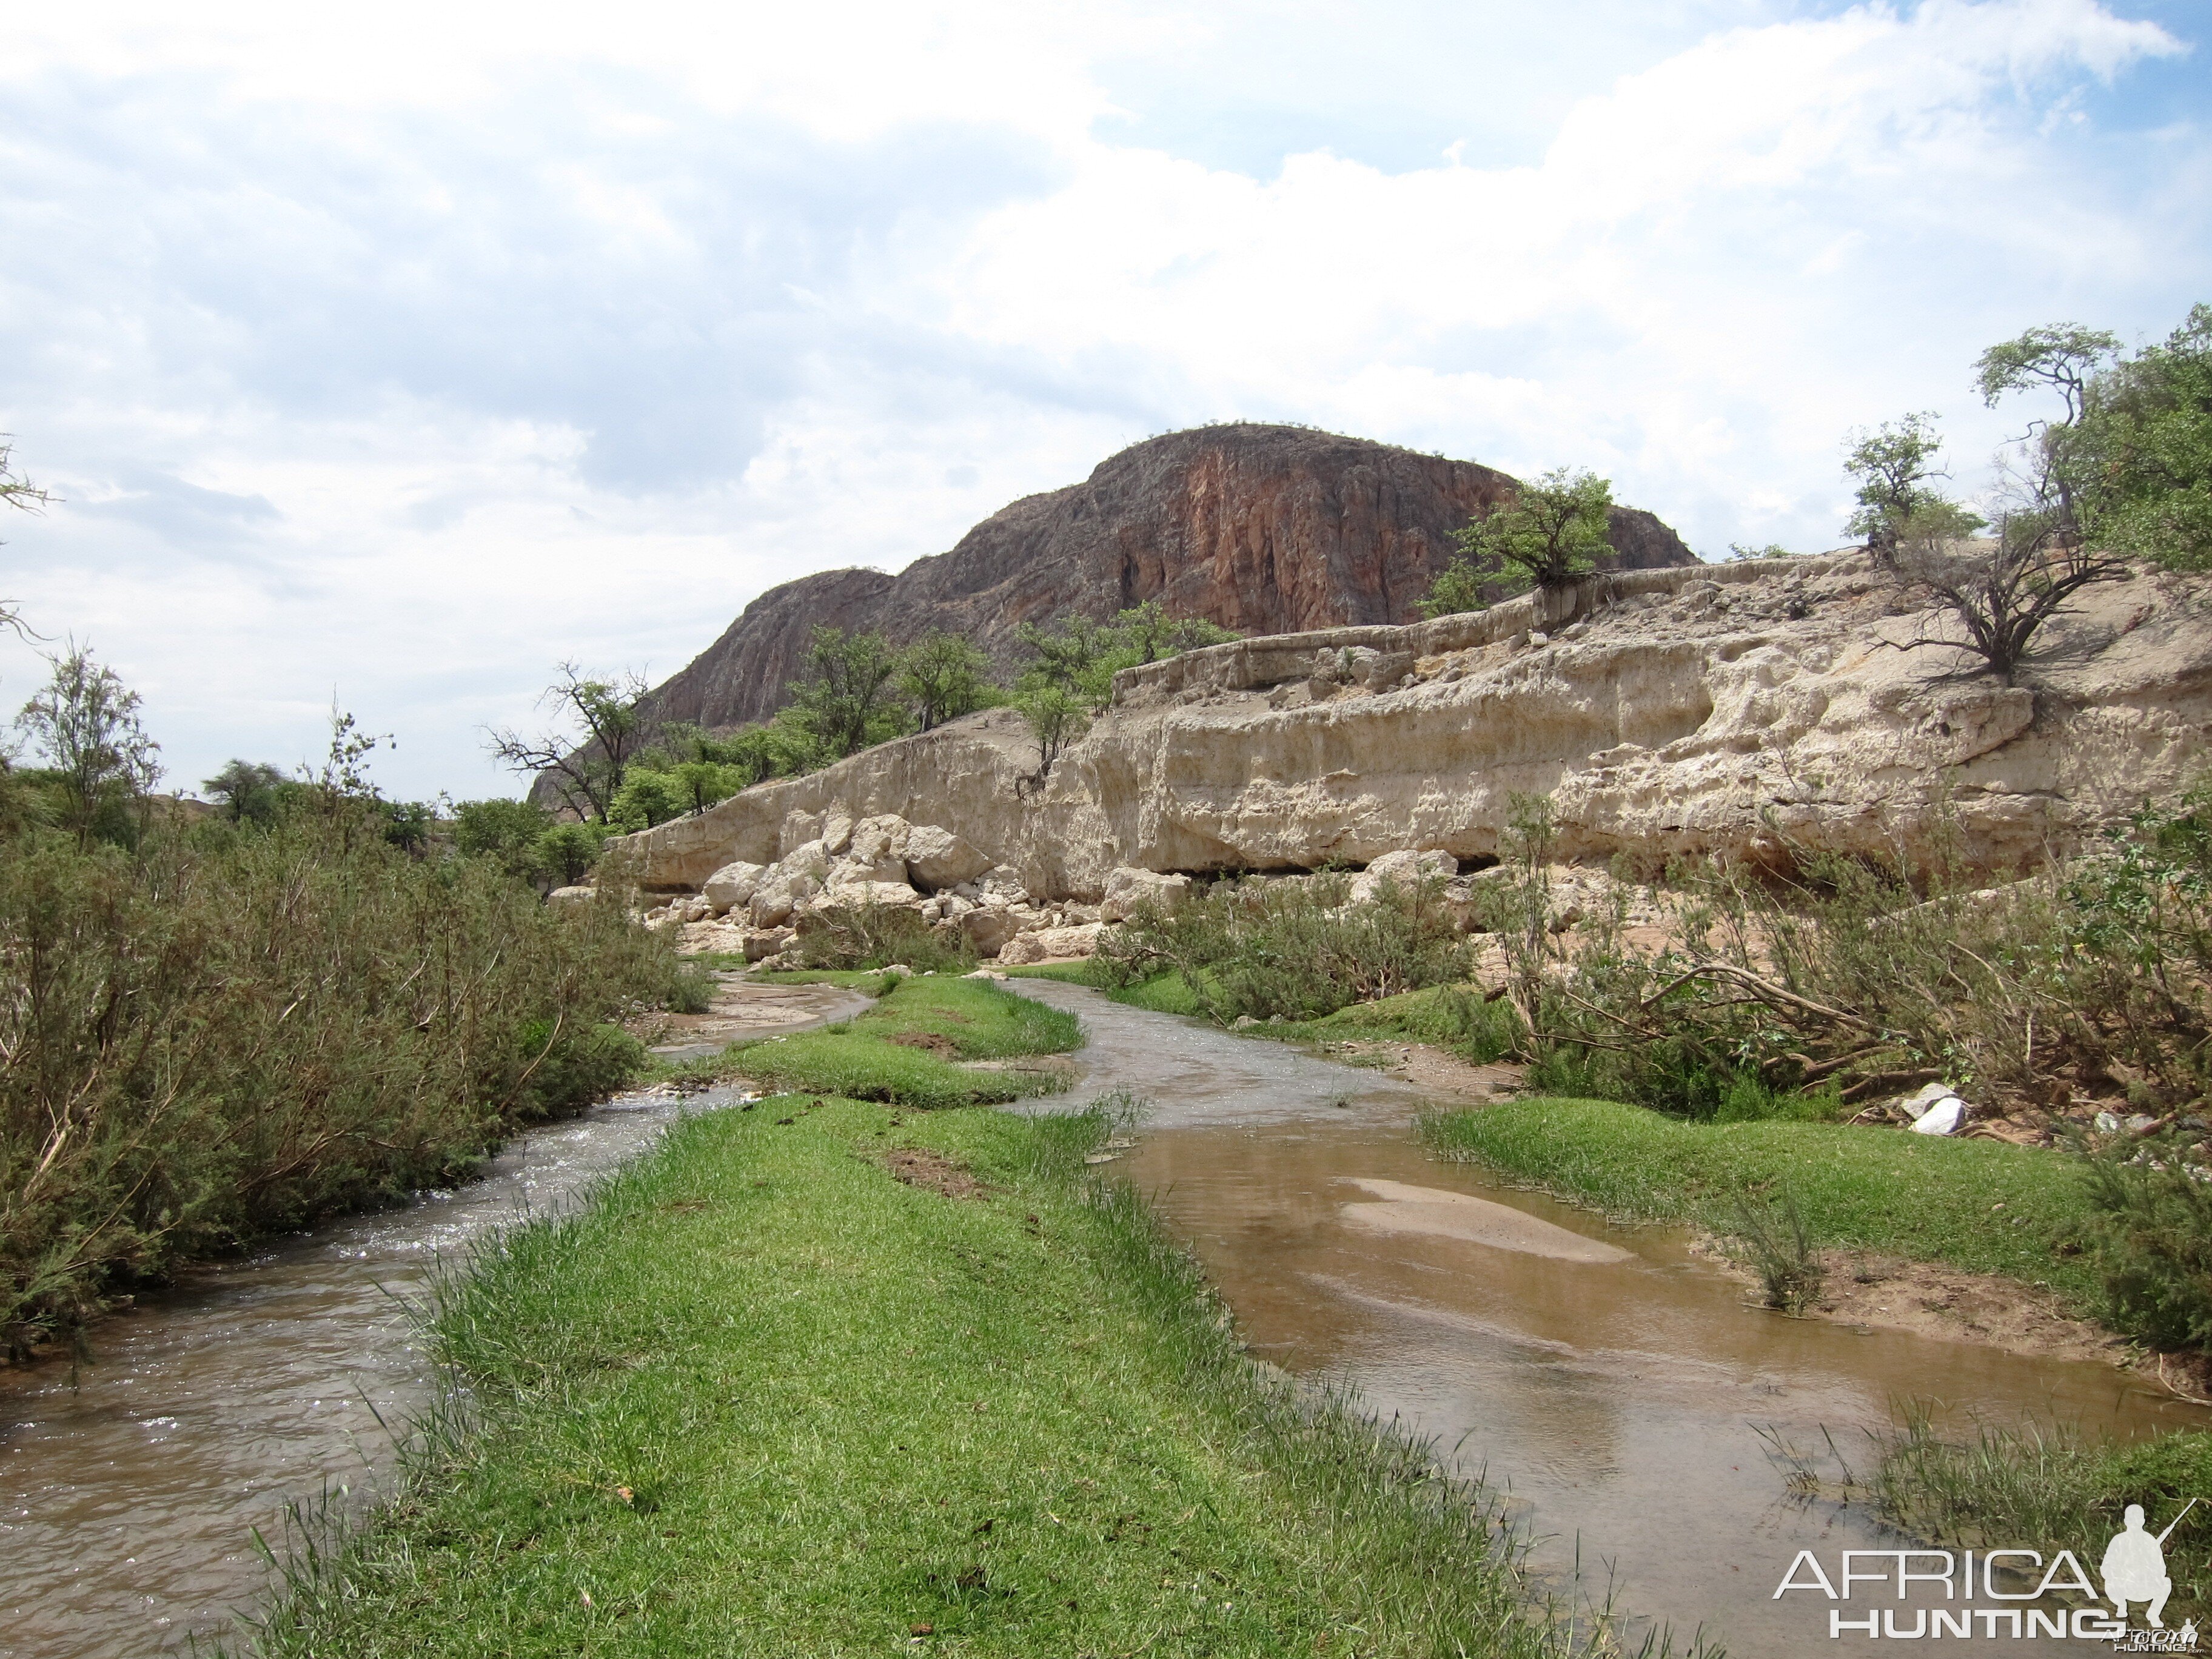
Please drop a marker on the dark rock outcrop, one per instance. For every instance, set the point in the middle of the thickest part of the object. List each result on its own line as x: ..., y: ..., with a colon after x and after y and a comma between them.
x: 1263, y: 529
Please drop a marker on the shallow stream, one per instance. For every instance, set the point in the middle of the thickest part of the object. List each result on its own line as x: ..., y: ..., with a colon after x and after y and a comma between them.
x: 130, y: 1488
x: 1611, y: 1383
x: 1614, y: 1385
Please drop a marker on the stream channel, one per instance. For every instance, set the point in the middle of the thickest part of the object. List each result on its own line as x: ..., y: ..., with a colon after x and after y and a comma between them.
x: 1609, y: 1384
x: 130, y: 1492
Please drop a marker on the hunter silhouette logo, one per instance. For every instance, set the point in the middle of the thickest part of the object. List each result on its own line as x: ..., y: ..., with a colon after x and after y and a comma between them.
x: 2002, y: 1593
x: 2133, y: 1567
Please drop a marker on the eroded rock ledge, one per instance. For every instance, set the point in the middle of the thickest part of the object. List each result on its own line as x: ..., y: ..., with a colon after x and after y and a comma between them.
x: 1724, y: 709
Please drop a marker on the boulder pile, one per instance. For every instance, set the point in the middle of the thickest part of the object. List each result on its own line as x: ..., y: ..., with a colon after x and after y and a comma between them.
x: 757, y: 910
x: 760, y: 911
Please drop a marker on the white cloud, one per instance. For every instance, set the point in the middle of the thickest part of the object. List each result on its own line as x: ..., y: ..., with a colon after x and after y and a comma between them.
x: 404, y: 352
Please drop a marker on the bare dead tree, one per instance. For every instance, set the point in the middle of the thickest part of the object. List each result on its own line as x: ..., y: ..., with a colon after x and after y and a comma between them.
x: 1999, y: 593
x: 584, y: 763
x: 20, y: 493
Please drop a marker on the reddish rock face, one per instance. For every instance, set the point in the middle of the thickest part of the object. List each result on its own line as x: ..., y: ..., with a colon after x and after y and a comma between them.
x: 1262, y: 529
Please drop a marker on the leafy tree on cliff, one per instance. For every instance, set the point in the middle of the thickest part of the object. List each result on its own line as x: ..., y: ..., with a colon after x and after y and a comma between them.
x: 1896, y: 470
x: 1080, y: 656
x: 646, y: 797
x: 1457, y: 588
x: 944, y: 677
x: 1057, y: 717
x: 1992, y: 597
x: 1551, y: 534
x: 1145, y: 633
x: 846, y: 702
x: 2130, y: 459
x: 1068, y: 656
x: 601, y: 726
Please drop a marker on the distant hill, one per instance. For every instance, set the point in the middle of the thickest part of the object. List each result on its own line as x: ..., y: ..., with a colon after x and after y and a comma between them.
x: 1263, y: 529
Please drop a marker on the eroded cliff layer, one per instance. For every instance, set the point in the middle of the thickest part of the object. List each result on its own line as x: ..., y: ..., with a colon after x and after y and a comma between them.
x: 1732, y: 707
x: 1262, y: 529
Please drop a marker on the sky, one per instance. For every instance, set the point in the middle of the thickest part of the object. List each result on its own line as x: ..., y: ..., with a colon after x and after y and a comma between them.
x: 390, y: 359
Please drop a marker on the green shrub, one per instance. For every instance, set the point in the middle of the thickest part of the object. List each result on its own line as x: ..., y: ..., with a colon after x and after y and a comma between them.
x: 1301, y: 949
x: 1849, y: 978
x: 2153, y: 1236
x: 232, y: 1029
x: 570, y: 1070
x: 1772, y: 1232
x: 860, y: 936
x: 690, y: 989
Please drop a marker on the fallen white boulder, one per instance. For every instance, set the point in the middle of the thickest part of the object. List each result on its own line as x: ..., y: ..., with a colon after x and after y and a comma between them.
x: 1052, y: 944
x: 733, y: 886
x: 936, y: 859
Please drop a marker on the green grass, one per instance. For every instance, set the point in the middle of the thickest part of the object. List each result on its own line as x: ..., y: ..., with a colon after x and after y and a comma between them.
x: 2053, y: 1484
x: 845, y: 1062
x: 761, y: 1398
x: 860, y: 1060
x: 977, y: 1017
x: 863, y: 979
x: 1914, y: 1195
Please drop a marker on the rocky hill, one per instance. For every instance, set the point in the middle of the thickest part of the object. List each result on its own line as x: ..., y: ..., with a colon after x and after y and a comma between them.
x: 1262, y: 529
x: 1730, y: 709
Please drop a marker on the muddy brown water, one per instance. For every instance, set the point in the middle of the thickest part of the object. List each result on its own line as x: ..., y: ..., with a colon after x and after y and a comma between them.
x: 1611, y: 1384
x: 129, y: 1491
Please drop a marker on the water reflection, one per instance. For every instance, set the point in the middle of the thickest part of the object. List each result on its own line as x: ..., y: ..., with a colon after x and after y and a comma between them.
x: 1619, y: 1403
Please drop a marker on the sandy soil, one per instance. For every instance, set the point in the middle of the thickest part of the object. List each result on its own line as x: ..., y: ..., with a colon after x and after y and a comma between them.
x: 1438, y: 1213
x: 930, y: 1172
x: 1439, y: 1071
x: 1948, y: 1303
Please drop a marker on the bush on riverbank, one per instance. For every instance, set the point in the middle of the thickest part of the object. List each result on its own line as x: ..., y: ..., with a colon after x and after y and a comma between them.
x: 2052, y: 1488
x: 1299, y: 950
x: 776, y: 1391
x: 2088, y: 978
x: 230, y: 1028
x: 842, y: 938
